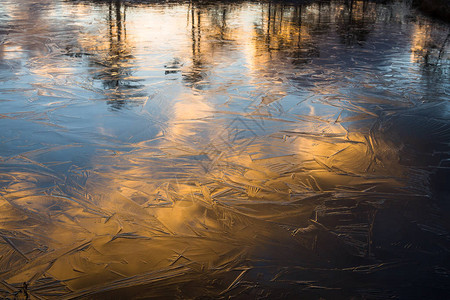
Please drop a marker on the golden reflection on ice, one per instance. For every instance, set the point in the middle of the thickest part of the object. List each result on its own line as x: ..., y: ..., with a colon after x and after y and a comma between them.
x: 245, y: 170
x: 427, y: 45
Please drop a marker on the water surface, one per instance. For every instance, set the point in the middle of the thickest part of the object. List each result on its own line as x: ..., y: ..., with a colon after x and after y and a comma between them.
x: 250, y: 150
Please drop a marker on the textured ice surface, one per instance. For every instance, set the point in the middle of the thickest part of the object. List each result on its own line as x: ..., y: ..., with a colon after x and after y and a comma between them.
x: 219, y: 150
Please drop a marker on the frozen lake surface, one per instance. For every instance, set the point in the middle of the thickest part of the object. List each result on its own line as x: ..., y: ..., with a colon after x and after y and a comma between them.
x: 220, y: 150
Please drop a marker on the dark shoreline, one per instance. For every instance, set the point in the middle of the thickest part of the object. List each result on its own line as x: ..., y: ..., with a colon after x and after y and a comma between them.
x: 439, y: 9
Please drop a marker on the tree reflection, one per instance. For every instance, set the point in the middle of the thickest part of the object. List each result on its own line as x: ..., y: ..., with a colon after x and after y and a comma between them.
x: 284, y: 33
x: 196, y: 73
x: 355, y: 21
x: 430, y: 49
x: 280, y: 189
x: 117, y: 65
x: 209, y: 32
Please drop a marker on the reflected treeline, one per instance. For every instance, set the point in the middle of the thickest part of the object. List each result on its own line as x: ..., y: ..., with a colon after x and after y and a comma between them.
x: 117, y: 64
x: 429, y: 46
x: 286, y: 33
x: 431, y: 49
x: 355, y: 20
x: 197, y: 69
x: 284, y: 27
x: 322, y: 193
x: 296, y: 29
x: 109, y: 52
x: 209, y: 33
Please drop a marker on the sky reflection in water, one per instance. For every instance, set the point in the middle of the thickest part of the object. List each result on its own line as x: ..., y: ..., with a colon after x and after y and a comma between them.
x: 254, y: 149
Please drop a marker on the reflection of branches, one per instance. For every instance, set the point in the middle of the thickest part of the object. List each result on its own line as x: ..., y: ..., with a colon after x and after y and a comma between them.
x: 196, y: 74
x: 117, y: 65
x: 442, y: 49
x: 283, y: 31
x: 220, y: 32
x: 353, y: 25
x: 429, y: 49
x: 323, y: 19
x: 207, y: 23
x: 304, y: 50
